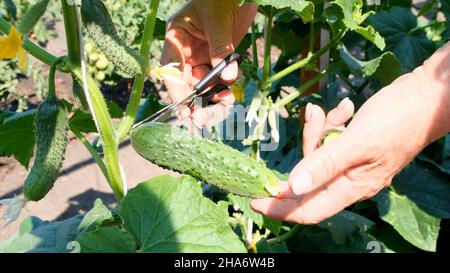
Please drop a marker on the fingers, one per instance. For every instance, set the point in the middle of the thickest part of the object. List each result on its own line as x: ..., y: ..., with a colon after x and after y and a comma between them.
x: 312, y: 208
x: 224, y: 97
x: 174, y: 42
x: 340, y: 115
x: 224, y: 100
x: 313, y: 129
x: 324, y: 164
x: 316, y: 123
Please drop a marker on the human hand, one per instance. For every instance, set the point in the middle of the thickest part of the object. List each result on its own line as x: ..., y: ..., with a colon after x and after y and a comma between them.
x: 198, y: 37
x: 389, y: 130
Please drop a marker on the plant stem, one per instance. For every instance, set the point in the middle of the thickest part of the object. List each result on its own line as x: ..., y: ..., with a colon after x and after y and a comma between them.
x: 139, y: 81
x: 435, y: 23
x: 30, y: 47
x: 254, y: 45
x: 92, y: 151
x: 267, y: 50
x: 51, y: 76
x: 255, y: 150
x: 289, y: 98
x: 71, y: 29
x: 312, y: 38
x: 95, y: 99
x: 285, y: 236
x: 288, y: 70
x: 110, y: 146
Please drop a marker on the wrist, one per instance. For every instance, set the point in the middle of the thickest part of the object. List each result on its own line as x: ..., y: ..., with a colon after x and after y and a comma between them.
x: 435, y: 90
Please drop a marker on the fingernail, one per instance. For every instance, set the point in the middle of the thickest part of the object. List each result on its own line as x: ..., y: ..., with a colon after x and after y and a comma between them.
x: 343, y: 103
x: 230, y: 73
x: 308, y: 112
x: 302, y: 182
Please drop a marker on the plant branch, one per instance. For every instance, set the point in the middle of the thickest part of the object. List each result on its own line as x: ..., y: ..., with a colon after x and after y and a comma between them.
x: 71, y: 30
x: 92, y: 151
x: 51, y: 76
x: 312, y: 38
x: 110, y: 147
x: 302, y: 63
x: 139, y: 81
x: 289, y: 98
x: 285, y: 236
x: 267, y: 50
x: 94, y: 97
x: 254, y: 45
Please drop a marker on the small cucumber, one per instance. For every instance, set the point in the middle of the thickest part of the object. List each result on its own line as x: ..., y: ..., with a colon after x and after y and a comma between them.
x: 99, y: 26
x: 330, y: 135
x: 51, y: 125
x: 212, y: 162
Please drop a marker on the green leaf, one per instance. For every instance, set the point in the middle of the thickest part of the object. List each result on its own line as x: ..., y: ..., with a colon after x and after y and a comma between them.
x: 166, y: 214
x: 412, y: 48
x: 316, y: 239
x: 415, y: 225
x: 148, y: 107
x: 353, y: 18
x: 114, y: 110
x: 385, y: 68
x: 106, y: 240
x: 37, y: 236
x: 95, y: 216
x: 32, y: 16
x: 424, y: 184
x: 83, y: 122
x: 17, y: 136
x: 393, y: 240
x: 260, y: 220
x: 305, y: 9
x: 344, y: 224
x: 263, y: 247
x: 159, y: 32
x: 289, y: 37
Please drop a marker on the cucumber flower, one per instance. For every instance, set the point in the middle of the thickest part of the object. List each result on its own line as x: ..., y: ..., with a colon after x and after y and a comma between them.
x: 11, y: 47
x: 238, y: 92
x: 159, y: 73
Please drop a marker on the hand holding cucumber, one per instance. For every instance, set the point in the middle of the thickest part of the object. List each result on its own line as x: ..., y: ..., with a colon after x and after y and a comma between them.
x: 387, y: 132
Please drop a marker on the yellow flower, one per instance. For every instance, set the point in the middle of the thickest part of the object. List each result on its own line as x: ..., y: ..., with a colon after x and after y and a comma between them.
x: 238, y: 92
x: 11, y: 47
x: 159, y: 73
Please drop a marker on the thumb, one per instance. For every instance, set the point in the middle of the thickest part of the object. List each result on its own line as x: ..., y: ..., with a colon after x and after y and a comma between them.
x: 324, y: 164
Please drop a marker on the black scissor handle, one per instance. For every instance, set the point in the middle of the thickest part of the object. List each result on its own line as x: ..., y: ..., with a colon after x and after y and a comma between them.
x: 214, y: 75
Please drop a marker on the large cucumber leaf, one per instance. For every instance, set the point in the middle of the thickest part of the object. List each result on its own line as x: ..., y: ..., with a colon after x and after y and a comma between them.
x: 415, y: 225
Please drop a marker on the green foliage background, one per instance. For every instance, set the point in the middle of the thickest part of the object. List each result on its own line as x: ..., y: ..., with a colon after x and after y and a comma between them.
x: 166, y: 214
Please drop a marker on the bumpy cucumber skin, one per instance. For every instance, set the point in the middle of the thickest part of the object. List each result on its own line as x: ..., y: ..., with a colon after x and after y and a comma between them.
x: 51, y: 125
x: 100, y: 28
x: 213, y: 162
x: 32, y: 16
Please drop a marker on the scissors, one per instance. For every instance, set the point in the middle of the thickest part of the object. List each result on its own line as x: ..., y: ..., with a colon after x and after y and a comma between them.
x: 199, y: 89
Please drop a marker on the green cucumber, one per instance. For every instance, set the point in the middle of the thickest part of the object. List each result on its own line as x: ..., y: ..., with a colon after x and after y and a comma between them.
x: 32, y: 17
x: 330, y: 135
x: 51, y: 125
x: 212, y: 162
x: 99, y: 26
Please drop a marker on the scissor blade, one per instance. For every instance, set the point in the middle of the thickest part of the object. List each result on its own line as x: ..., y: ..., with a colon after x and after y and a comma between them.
x: 171, y: 107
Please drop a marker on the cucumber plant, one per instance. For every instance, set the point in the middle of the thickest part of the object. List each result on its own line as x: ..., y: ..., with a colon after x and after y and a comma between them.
x: 167, y: 214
